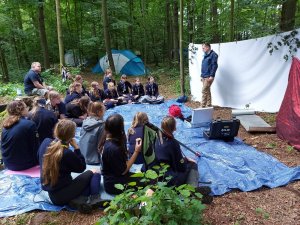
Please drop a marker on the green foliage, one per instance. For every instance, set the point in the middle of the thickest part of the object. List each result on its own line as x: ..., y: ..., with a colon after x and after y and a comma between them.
x: 290, y: 148
x: 263, y: 213
x: 167, y: 205
x: 55, y: 81
x: 10, y: 89
x: 290, y: 40
x: 271, y: 145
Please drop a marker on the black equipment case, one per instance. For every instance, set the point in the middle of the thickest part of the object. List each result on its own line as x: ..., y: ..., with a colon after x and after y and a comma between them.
x: 223, y: 129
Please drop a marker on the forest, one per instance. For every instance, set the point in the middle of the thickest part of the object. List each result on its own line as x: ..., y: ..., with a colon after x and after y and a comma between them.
x: 44, y: 30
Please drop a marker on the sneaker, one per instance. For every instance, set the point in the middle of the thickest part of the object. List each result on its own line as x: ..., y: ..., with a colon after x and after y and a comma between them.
x: 205, y: 191
x: 80, y: 203
x: 97, y: 203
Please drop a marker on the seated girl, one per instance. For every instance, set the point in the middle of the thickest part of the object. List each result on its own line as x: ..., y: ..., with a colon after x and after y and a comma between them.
x: 115, y: 161
x: 137, y: 131
x: 124, y: 88
x: 44, y: 119
x: 96, y: 94
x: 152, y: 95
x: 55, y: 104
x: 91, y: 131
x: 19, y: 138
x: 57, y: 162
x: 137, y: 90
x: 111, y: 96
x: 107, y: 79
x: 182, y: 169
x: 75, y: 92
x: 79, y: 79
x: 77, y: 109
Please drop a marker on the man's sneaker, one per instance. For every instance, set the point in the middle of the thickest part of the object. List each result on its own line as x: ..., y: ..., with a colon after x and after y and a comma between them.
x: 205, y: 191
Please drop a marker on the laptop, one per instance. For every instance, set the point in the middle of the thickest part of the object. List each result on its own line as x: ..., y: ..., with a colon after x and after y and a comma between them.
x: 201, y: 117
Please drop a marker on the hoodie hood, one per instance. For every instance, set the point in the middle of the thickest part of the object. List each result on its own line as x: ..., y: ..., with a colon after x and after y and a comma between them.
x: 91, y: 123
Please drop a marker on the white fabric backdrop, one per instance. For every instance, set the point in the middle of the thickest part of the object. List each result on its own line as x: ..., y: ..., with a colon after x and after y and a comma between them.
x: 247, y: 73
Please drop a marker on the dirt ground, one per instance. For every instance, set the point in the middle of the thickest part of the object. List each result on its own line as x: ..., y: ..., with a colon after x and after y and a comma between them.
x: 264, y: 206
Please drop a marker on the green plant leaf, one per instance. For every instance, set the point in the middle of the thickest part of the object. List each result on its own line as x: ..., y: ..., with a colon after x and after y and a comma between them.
x: 151, y: 174
x: 119, y: 186
x: 139, y: 174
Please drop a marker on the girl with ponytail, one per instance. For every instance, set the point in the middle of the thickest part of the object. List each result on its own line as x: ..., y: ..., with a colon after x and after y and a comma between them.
x: 57, y: 162
x: 19, y: 139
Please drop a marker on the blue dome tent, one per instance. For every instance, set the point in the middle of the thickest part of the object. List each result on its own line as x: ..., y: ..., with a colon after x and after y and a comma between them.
x: 125, y: 63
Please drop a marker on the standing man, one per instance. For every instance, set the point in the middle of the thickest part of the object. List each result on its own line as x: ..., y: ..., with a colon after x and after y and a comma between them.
x: 33, y: 82
x: 208, y: 71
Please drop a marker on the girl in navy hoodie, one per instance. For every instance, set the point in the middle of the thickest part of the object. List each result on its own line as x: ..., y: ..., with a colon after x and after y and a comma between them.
x: 75, y: 92
x: 115, y: 160
x: 137, y: 90
x: 57, y: 162
x: 19, y: 139
x: 152, y: 95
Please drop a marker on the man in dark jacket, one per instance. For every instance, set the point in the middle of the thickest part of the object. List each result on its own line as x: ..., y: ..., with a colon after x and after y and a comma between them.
x: 208, y: 71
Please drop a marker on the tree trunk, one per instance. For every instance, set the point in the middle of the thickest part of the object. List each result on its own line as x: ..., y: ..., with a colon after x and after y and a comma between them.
x: 59, y: 35
x: 107, y: 35
x: 43, y: 36
x: 231, y: 20
x: 130, y: 28
x: 169, y: 33
x: 288, y: 12
x: 20, y: 40
x: 191, y: 18
x: 3, y: 64
x: 182, y: 89
x: 175, y: 32
x: 143, y: 4
x: 214, y: 11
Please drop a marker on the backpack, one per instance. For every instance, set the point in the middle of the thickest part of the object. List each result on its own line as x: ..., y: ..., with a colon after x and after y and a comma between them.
x: 175, y: 111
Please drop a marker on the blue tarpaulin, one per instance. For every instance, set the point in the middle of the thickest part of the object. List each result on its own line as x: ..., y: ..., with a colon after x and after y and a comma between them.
x: 227, y: 165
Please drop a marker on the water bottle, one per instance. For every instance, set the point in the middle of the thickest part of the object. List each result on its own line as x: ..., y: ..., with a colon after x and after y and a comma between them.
x: 19, y: 92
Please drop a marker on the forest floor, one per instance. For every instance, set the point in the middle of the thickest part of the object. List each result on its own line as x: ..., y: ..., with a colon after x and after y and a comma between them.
x: 263, y: 206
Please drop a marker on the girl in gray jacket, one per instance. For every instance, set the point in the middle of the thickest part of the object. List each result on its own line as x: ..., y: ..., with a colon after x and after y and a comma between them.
x: 91, y: 132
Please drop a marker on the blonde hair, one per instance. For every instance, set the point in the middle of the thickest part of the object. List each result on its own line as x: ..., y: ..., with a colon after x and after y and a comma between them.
x: 168, y: 125
x: 139, y: 119
x: 64, y: 131
x: 78, y: 78
x: 73, y: 86
x: 94, y: 90
x: 110, y: 85
x: 53, y: 94
x: 15, y: 110
x: 107, y: 71
x: 96, y: 109
x: 34, y: 64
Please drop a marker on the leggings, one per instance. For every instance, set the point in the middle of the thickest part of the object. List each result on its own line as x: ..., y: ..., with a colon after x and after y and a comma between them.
x: 85, y: 184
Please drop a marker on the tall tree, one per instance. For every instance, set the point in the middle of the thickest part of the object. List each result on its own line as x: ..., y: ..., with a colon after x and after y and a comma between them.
x: 231, y: 20
x: 130, y: 28
x: 169, y: 33
x: 3, y: 64
x: 43, y: 36
x: 191, y: 18
x: 145, y: 53
x: 107, y: 35
x: 175, y: 32
x: 215, y: 27
x: 288, y: 12
x: 182, y: 88
x: 59, y: 34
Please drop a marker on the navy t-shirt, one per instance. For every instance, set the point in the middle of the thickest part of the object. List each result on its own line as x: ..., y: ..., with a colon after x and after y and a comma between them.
x: 107, y: 80
x: 139, y: 133
x: 19, y: 145
x: 45, y: 121
x: 152, y: 89
x: 71, y: 97
x: 31, y: 77
x: 123, y: 88
x: 110, y: 94
x: 99, y: 97
x: 71, y: 161
x: 58, y: 109
x: 114, y: 164
x: 138, y: 90
x: 73, y: 110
